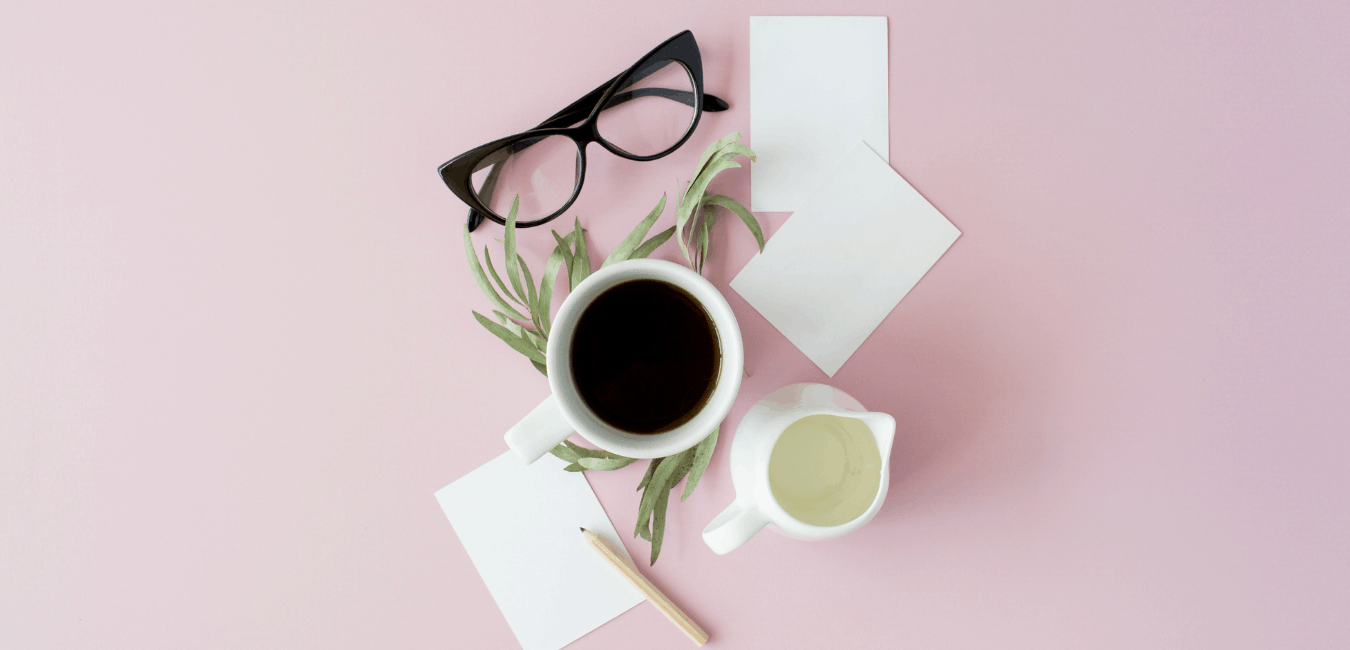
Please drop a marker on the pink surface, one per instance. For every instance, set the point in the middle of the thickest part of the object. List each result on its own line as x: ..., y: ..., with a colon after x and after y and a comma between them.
x: 236, y: 356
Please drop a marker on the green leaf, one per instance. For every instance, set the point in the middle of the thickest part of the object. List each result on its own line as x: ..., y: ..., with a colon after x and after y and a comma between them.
x: 685, y: 461
x: 581, y: 261
x: 586, y: 452
x: 512, y: 261
x: 740, y: 211
x: 660, y: 480
x: 648, y: 247
x: 681, y: 471
x: 528, y: 279
x: 573, y: 468
x: 605, y: 463
x: 565, y: 245
x: 659, y: 523
x: 702, y: 454
x: 694, y: 196
x: 561, y: 451
x: 530, y: 336
x: 712, y: 150
x: 739, y: 149
x: 517, y: 343
x: 493, y: 271
x: 540, y: 367
x: 647, y: 478
x: 544, y: 303
x: 705, y: 230
x: 537, y: 341
x: 578, y: 449
x: 481, y: 278
x: 630, y: 243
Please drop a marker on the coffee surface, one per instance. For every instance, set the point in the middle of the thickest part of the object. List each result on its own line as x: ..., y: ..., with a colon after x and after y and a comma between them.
x: 645, y: 356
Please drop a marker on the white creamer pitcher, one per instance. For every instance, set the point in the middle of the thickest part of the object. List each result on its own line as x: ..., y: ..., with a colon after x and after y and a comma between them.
x: 752, y: 448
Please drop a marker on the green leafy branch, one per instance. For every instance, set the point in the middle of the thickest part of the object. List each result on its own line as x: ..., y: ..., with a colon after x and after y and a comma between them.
x: 525, y: 327
x: 697, y: 209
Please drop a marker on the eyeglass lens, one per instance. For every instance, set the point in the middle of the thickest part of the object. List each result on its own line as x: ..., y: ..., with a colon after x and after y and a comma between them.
x: 543, y: 172
x: 652, y: 113
x: 646, y: 117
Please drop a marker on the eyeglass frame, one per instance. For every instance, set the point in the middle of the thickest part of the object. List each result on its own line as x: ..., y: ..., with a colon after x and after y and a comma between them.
x: 681, y: 48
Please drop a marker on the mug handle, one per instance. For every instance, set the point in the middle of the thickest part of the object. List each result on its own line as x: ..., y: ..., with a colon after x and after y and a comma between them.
x: 735, y: 526
x: 539, y: 431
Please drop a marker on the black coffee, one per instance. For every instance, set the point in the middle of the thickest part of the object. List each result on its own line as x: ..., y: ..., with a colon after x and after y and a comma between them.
x: 645, y: 356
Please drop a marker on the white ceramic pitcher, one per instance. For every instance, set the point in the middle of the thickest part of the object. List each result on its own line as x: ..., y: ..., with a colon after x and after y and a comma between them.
x: 758, y: 432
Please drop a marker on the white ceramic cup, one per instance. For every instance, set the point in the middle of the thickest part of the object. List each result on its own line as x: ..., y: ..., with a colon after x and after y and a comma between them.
x: 564, y: 411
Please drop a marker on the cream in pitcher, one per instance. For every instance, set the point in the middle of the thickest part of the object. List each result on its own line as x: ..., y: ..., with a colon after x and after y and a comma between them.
x: 810, y: 460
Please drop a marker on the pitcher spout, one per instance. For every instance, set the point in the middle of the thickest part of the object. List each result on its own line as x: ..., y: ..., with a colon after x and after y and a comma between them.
x: 883, y: 429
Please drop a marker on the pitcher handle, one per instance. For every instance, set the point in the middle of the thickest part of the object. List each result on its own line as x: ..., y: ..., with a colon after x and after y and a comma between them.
x: 735, y: 526
x: 539, y: 431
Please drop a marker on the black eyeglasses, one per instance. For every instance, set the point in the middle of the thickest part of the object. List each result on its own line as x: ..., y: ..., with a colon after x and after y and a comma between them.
x: 645, y: 113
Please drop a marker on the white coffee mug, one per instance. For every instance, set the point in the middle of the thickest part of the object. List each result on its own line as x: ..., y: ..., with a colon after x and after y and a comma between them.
x: 565, y: 411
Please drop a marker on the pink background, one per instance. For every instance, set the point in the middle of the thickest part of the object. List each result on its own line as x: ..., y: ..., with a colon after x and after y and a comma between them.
x: 236, y: 355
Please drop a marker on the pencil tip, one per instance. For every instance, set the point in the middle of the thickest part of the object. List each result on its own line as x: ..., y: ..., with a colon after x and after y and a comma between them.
x: 583, y: 529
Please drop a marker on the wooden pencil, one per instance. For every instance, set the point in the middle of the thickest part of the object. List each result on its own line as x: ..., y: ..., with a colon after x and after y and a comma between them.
x: 618, y: 561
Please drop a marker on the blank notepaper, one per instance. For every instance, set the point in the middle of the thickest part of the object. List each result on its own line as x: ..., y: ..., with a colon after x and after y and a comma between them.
x: 818, y: 84
x: 844, y: 260
x: 520, y: 524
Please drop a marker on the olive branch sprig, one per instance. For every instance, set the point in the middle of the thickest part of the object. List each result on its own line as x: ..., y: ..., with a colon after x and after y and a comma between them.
x: 525, y: 326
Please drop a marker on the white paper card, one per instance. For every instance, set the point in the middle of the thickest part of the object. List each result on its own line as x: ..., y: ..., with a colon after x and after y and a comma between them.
x: 844, y: 260
x: 520, y: 524
x: 818, y: 84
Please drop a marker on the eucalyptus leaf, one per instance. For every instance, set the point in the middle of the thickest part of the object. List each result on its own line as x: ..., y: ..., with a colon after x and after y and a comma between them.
x: 544, y: 303
x: 630, y: 243
x: 682, y: 470
x: 659, y: 523
x: 694, y: 196
x: 540, y: 367
x: 712, y: 150
x: 647, y: 478
x: 683, y: 462
x: 702, y: 454
x: 605, y: 463
x: 510, y: 324
x: 516, y: 342
x: 578, y: 449
x: 492, y: 270
x: 565, y: 248
x: 528, y: 279
x: 738, y: 149
x: 660, y: 480
x: 581, y: 260
x: 512, y: 261
x: 648, y: 247
x: 481, y: 278
x: 705, y: 230
x: 537, y: 341
x: 573, y: 468
x: 740, y: 211
x: 562, y: 451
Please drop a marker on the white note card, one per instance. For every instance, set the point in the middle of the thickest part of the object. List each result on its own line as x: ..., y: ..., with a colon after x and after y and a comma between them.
x: 818, y: 84
x: 521, y: 526
x: 844, y: 260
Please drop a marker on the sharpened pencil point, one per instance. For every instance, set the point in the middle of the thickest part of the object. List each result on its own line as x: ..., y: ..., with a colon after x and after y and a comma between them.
x: 583, y: 529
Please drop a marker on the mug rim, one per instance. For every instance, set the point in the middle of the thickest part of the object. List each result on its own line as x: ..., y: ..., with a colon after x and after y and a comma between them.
x: 649, y: 445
